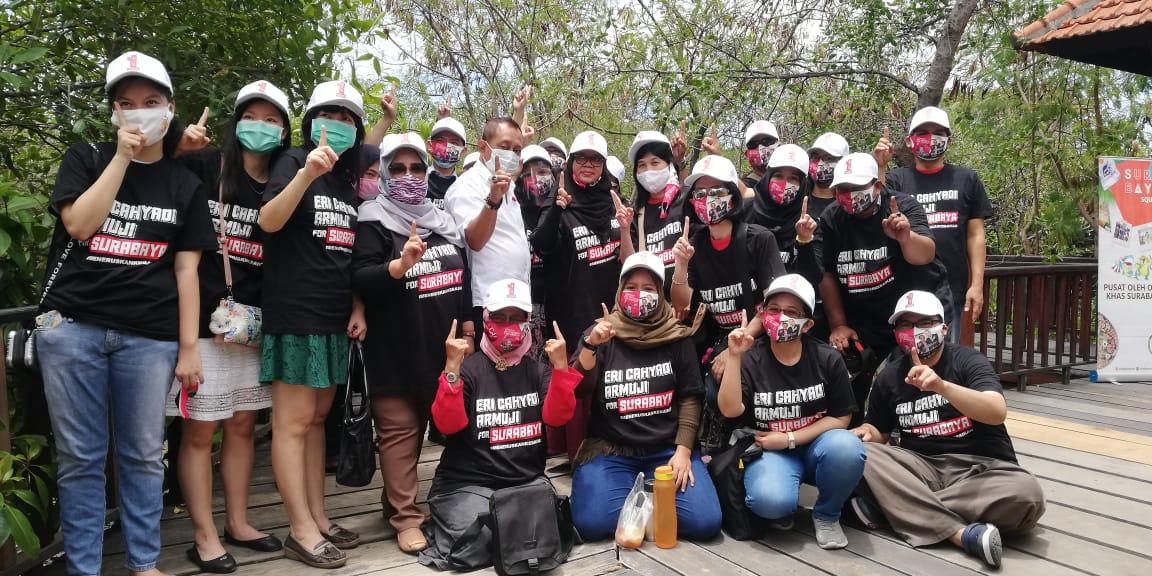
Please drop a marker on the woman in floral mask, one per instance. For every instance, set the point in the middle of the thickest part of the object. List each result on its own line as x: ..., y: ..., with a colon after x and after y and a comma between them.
x: 309, y: 310
x: 410, y: 268
x: 781, y: 197
x: 641, y: 372
x: 492, y: 406
x: 231, y: 392
x: 795, y: 393
x: 725, y: 266
x: 660, y: 205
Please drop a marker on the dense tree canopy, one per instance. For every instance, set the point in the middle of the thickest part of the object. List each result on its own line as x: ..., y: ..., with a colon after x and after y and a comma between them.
x: 1031, y: 124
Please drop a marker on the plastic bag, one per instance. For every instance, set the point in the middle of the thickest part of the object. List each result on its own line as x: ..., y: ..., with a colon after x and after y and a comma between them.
x: 634, y: 516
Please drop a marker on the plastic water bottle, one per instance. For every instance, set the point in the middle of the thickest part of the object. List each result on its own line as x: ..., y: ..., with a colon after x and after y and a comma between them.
x: 664, y: 508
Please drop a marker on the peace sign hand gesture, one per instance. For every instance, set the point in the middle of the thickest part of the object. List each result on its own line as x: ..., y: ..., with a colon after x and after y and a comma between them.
x: 806, y: 225
x: 563, y: 198
x: 711, y: 143
x: 680, y: 142
x: 413, y: 249
x: 896, y: 225
x: 444, y: 110
x: 740, y: 340
x: 603, y: 331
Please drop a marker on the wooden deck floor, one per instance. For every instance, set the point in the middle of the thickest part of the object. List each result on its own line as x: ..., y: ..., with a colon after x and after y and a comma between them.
x: 1090, y: 445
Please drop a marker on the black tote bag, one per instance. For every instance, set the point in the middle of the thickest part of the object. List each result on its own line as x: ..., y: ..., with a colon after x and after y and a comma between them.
x: 357, y: 462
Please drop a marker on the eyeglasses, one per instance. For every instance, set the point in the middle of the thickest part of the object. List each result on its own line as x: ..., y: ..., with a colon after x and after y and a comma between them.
x: 701, y: 193
x: 397, y: 170
x: 791, y: 312
x: 760, y: 142
x: 921, y: 323
x: 587, y: 160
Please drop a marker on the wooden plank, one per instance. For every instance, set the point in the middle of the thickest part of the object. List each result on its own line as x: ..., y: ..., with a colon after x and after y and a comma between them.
x: 1079, y: 437
x: 1015, y: 562
x: 895, y: 555
x: 803, y: 547
x: 1118, y: 486
x: 1080, y: 554
x: 1099, y: 503
x: 1095, y: 528
x: 758, y: 558
x: 1074, y: 393
x: 1106, y: 464
x: 689, y: 558
x: 645, y: 565
x: 1079, y: 407
x: 1082, y: 418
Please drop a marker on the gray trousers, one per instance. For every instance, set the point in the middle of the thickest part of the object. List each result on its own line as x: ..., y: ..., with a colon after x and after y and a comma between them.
x: 929, y: 498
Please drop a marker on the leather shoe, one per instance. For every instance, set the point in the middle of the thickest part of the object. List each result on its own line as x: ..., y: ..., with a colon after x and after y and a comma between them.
x: 225, y: 564
x: 268, y: 543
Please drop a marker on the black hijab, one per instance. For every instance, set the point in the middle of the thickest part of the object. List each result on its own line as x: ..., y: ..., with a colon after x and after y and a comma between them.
x: 773, y: 216
x: 592, y: 205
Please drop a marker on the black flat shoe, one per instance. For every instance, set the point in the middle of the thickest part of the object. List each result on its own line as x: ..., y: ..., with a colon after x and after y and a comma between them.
x: 268, y: 543
x: 225, y: 564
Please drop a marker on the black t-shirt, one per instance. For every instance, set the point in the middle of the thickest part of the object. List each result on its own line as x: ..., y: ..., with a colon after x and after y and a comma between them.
x: 784, y: 398
x: 750, y: 179
x: 438, y: 186
x: 308, y: 272
x: 661, y: 234
x: 950, y: 197
x: 927, y: 422
x: 581, y: 273
x: 245, y: 240
x: 534, y: 211
x: 412, y: 315
x: 817, y: 205
x: 638, y: 392
x: 871, y: 268
x: 123, y: 277
x: 503, y: 444
x: 733, y: 279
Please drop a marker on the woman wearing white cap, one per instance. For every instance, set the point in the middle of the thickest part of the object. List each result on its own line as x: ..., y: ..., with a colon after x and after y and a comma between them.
x: 447, y: 145
x: 120, y: 313
x: 795, y: 393
x: 557, y: 152
x: 760, y: 140
x: 537, y: 190
x: 825, y: 152
x: 580, y: 249
x: 231, y: 392
x: 479, y: 395
x: 781, y: 200
x: 410, y: 268
x: 640, y: 369
x: 309, y: 310
x: 724, y: 267
x: 659, y: 202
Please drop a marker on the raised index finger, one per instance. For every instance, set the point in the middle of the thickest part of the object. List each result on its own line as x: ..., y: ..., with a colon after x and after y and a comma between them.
x: 743, y: 318
x: 892, y: 205
x: 452, y: 332
x: 556, y: 331
x: 120, y: 115
x: 323, y: 136
x: 412, y: 233
x: 916, y: 357
x: 203, y: 118
x: 887, y: 133
x: 804, y: 207
x: 616, y: 200
x: 605, y: 309
x: 686, y: 222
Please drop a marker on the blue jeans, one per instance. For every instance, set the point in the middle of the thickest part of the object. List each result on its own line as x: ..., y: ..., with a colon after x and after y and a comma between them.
x: 957, y: 316
x: 91, y: 373
x: 834, y: 463
x: 600, y: 487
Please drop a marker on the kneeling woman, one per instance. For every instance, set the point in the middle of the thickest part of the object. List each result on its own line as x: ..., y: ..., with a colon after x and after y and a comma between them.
x: 490, y: 407
x: 796, y: 393
x: 638, y: 353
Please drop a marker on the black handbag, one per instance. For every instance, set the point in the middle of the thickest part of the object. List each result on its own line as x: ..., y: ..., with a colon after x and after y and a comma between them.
x: 357, y: 463
x: 727, y: 471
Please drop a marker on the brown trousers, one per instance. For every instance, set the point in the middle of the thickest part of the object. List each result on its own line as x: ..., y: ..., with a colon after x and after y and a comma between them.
x: 400, y: 429
x: 929, y: 498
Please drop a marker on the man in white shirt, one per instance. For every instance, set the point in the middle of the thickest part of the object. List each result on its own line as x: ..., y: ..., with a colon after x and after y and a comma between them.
x: 483, y: 203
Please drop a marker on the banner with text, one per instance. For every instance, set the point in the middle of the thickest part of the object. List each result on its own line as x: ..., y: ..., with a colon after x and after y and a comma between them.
x: 1124, y: 257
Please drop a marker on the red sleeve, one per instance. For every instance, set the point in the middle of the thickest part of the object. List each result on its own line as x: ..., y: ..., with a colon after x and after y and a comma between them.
x: 560, y: 403
x: 448, y: 409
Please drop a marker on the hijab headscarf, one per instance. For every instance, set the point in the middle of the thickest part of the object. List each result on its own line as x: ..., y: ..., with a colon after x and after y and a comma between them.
x: 592, y: 205
x: 660, y: 329
x: 772, y: 215
x: 398, y: 217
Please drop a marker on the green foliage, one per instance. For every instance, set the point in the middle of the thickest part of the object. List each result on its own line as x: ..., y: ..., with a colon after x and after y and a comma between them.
x: 25, y: 500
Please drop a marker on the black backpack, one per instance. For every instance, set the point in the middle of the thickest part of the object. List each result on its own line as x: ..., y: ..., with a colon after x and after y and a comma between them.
x: 727, y: 471
x: 532, y: 530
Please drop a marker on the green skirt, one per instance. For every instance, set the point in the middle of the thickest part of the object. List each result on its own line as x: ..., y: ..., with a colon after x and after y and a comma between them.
x: 314, y: 360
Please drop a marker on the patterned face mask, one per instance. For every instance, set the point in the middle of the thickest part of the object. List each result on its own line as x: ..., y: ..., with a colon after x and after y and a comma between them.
x: 638, y: 305
x: 822, y: 172
x: 929, y: 146
x: 926, y: 340
x: 446, y: 154
x: 710, y: 207
x: 505, y: 336
x: 783, y: 192
x: 857, y: 201
x: 407, y: 189
x: 782, y: 327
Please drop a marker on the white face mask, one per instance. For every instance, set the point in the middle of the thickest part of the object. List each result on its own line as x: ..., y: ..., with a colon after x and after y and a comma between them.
x: 509, y: 161
x: 152, y: 122
x: 654, y: 181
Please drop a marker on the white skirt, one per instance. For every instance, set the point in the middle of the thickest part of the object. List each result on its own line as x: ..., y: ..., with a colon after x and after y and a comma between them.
x: 231, y: 383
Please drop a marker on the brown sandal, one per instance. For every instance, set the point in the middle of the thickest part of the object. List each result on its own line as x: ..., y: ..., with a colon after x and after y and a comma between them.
x: 411, y: 540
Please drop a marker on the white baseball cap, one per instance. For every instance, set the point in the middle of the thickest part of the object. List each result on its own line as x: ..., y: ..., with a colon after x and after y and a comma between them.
x: 717, y: 167
x: 470, y: 159
x: 615, y: 168
x: 917, y: 302
x: 555, y: 142
x: 264, y: 90
x: 855, y: 169
x: 591, y: 141
x: 508, y: 293
x: 760, y: 128
x: 337, y: 93
x: 644, y: 138
x: 789, y: 155
x: 137, y: 64
x: 449, y: 125
x: 395, y: 142
x: 795, y: 285
x: 929, y: 115
x: 832, y: 144
x: 645, y: 260
x: 534, y: 152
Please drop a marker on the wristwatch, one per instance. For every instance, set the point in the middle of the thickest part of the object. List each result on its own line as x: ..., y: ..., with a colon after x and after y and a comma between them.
x: 791, y: 441
x: 452, y: 378
x: 493, y: 205
x: 588, y: 345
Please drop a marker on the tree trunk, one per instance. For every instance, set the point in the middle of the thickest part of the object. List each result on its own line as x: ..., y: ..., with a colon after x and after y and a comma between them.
x: 945, y: 57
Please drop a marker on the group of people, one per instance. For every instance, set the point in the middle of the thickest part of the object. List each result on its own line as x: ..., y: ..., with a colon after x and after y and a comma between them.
x: 511, y: 301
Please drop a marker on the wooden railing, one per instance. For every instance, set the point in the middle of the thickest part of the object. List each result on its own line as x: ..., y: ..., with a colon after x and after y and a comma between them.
x: 1039, y: 317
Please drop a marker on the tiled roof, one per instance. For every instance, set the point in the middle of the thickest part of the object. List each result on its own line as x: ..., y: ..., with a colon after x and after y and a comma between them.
x: 1079, y: 18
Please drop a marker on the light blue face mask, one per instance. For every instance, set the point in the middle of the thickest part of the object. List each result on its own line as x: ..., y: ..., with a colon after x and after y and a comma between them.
x: 509, y: 161
x: 341, y: 136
